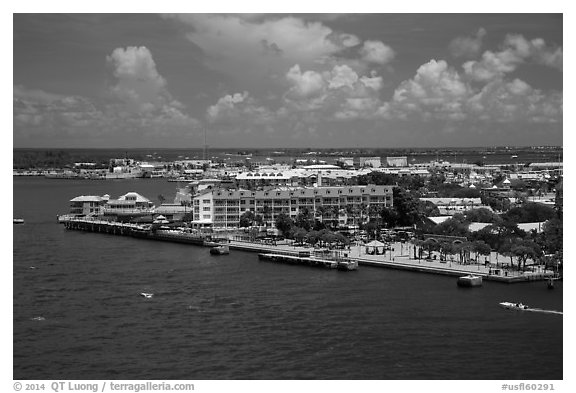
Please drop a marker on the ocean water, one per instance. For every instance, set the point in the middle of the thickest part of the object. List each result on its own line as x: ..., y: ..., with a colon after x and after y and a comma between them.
x: 77, y: 312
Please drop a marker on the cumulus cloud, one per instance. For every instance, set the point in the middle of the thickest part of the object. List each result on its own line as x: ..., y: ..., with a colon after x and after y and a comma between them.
x: 137, y: 81
x: 141, y: 106
x: 515, y: 101
x: 304, y: 84
x: 516, y: 50
x: 238, y: 107
x: 37, y: 112
x: 142, y: 90
x: 439, y: 92
x: 467, y: 47
x: 226, y: 37
x: 337, y: 94
x: 436, y: 90
x: 342, y: 76
x: 256, y: 50
x: 376, y: 52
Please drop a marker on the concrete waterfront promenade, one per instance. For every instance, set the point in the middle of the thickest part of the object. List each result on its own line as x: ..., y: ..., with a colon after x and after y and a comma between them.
x: 397, y: 258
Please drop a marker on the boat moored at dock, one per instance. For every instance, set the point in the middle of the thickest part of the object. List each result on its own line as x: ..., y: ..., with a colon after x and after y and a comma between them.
x: 220, y: 250
x: 469, y: 280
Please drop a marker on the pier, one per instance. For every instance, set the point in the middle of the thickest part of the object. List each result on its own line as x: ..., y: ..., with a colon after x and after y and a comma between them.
x: 304, y: 258
x: 346, y: 259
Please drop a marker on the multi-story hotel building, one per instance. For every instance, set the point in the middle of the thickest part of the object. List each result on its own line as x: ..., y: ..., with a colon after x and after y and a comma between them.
x: 222, y: 208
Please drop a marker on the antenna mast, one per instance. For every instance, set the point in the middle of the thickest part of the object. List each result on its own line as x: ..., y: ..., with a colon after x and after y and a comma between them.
x: 205, y: 145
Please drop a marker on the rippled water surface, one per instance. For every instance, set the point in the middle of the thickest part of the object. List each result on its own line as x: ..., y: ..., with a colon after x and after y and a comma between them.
x: 78, y: 313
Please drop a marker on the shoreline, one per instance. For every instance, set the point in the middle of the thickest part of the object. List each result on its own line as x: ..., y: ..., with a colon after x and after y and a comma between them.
x: 397, y: 258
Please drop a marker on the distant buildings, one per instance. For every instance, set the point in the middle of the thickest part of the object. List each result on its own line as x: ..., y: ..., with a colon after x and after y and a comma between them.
x: 397, y: 161
x: 374, y: 162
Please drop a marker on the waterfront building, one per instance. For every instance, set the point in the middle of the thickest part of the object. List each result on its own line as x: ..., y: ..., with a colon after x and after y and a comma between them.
x: 337, y: 205
x: 128, y: 204
x: 87, y: 205
x: 173, y: 211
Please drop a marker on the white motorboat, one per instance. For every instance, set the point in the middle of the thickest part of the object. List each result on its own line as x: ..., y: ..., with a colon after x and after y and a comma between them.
x: 220, y: 250
x: 469, y: 281
x: 514, y: 306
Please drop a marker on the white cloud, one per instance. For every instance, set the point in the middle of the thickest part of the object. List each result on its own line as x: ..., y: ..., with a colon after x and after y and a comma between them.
x: 233, y: 44
x: 338, y: 94
x: 438, y: 92
x: 516, y: 50
x: 239, y: 108
x: 515, y: 101
x: 342, y: 76
x: 435, y: 91
x: 467, y: 47
x: 377, y: 52
x: 137, y: 82
x: 142, y: 91
x: 304, y: 84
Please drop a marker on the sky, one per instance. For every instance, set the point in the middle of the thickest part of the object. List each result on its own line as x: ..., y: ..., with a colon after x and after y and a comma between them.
x: 287, y: 80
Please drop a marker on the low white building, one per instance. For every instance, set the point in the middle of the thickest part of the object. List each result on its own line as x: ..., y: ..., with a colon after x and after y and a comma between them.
x: 397, y: 161
x: 131, y: 203
x: 86, y: 205
x: 450, y: 206
x: 374, y: 162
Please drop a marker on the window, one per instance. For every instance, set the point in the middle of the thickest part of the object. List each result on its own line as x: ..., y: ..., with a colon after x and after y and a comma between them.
x: 206, y: 208
x: 206, y: 216
x: 205, y: 200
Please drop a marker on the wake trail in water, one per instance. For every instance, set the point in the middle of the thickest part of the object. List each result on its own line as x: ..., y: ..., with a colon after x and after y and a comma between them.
x: 540, y: 310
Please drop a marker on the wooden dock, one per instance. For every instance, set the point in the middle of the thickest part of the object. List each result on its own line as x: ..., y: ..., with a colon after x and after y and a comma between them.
x: 307, y: 260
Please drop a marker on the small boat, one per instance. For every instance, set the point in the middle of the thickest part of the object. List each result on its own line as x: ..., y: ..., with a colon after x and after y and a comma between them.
x: 469, y: 281
x: 347, y: 265
x: 514, y: 306
x: 146, y: 295
x: 220, y: 250
x: 18, y: 221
